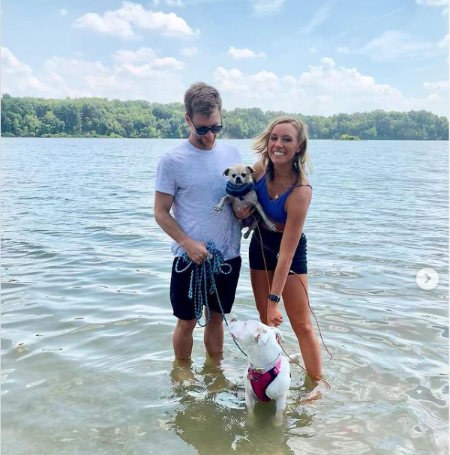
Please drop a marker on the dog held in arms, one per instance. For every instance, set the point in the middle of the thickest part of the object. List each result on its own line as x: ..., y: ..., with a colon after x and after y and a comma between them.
x: 268, y: 374
x: 241, y: 193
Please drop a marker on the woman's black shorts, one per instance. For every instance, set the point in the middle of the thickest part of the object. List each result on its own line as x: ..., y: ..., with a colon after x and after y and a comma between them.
x: 271, y: 242
x: 183, y: 307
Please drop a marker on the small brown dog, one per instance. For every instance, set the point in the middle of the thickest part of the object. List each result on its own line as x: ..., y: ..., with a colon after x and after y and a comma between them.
x: 241, y: 193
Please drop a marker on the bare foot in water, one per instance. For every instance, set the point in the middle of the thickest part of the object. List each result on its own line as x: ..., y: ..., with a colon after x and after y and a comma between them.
x: 312, y: 396
x: 181, y: 371
x: 315, y: 387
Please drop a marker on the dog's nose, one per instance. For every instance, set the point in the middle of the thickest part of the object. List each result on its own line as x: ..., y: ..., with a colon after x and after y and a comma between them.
x: 238, y: 180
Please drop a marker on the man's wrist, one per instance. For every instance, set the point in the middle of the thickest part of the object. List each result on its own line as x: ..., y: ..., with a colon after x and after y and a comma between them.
x: 274, y: 298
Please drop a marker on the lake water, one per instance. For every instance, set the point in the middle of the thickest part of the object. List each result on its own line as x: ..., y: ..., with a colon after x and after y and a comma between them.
x: 87, y: 364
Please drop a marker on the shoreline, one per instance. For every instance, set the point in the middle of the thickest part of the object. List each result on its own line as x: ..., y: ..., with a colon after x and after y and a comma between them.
x: 221, y: 138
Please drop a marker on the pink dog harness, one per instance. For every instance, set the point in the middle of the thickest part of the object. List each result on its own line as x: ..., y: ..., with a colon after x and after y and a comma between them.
x: 261, y: 380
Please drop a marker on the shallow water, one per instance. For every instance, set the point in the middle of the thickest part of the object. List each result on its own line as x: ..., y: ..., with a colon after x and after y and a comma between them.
x: 87, y: 364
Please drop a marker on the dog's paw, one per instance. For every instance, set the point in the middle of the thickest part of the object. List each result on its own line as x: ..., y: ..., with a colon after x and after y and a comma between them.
x: 218, y: 208
x: 271, y: 226
x: 277, y: 421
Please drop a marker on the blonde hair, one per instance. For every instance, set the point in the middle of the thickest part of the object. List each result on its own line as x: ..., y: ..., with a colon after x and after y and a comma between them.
x: 301, y: 159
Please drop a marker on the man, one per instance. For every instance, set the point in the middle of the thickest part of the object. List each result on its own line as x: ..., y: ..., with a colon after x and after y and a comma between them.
x: 190, y: 180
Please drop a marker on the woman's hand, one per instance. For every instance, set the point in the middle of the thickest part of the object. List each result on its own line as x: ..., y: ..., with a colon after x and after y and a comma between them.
x: 274, y: 317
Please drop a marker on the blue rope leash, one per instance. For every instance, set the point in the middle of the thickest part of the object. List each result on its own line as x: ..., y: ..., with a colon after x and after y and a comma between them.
x: 200, y: 274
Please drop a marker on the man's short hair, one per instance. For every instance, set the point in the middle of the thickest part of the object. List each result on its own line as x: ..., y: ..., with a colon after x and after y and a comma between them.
x: 201, y: 98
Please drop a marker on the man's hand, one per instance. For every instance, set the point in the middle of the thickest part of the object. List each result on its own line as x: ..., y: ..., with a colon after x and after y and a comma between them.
x: 274, y: 317
x: 244, y: 213
x: 196, y: 251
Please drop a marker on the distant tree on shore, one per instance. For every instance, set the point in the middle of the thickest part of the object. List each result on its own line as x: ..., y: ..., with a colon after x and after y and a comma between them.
x: 99, y: 117
x: 349, y: 137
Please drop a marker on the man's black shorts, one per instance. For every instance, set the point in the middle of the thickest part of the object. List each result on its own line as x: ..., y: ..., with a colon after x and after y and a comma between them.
x: 183, y: 307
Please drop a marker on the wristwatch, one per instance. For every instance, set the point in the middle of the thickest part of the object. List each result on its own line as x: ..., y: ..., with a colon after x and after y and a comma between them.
x: 274, y: 298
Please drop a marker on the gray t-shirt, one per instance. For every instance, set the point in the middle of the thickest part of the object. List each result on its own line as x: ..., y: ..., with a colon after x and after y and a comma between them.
x: 195, y: 179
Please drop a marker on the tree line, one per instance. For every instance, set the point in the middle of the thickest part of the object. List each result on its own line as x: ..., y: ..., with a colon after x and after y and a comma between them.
x: 99, y: 117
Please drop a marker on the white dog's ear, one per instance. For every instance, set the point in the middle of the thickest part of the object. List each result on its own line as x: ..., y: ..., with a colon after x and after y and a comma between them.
x: 226, y: 172
x: 261, y: 335
x: 278, y: 333
x: 250, y: 169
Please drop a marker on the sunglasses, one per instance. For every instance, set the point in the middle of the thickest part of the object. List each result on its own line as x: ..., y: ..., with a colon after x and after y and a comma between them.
x: 202, y: 130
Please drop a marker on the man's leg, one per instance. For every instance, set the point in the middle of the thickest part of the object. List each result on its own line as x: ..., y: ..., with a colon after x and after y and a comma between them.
x: 214, y: 334
x: 183, y: 339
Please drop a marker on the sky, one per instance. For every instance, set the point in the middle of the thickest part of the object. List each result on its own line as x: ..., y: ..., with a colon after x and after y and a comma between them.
x: 298, y: 56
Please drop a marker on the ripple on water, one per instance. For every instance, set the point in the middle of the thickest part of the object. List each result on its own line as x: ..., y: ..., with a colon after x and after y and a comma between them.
x: 87, y: 322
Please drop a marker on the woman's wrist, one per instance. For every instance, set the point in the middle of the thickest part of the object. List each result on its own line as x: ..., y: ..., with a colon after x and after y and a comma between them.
x: 274, y: 298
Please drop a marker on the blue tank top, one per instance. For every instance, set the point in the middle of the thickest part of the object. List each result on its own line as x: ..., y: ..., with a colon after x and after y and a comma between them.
x: 273, y: 208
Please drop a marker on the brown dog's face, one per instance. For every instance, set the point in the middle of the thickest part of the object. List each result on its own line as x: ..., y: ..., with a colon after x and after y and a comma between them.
x: 239, y: 174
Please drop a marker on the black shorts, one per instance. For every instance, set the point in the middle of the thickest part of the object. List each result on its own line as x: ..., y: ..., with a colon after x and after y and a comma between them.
x: 271, y: 242
x: 183, y: 306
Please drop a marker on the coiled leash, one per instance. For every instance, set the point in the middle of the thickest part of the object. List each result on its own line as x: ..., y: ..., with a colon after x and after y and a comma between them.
x: 198, y: 286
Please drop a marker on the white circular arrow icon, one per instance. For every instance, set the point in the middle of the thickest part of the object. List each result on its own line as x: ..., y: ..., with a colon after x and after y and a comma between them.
x: 427, y: 278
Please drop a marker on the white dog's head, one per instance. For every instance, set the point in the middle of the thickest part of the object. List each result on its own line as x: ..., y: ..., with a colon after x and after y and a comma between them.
x: 252, y: 333
x: 239, y: 174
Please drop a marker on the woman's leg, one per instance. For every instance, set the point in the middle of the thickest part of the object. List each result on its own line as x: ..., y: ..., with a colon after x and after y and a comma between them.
x: 296, y: 304
x: 261, y: 291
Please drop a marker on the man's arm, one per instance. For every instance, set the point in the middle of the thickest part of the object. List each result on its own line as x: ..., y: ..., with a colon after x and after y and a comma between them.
x: 163, y: 203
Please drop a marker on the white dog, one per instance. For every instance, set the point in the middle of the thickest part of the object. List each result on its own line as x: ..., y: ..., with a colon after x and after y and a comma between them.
x: 268, y: 376
x: 241, y: 193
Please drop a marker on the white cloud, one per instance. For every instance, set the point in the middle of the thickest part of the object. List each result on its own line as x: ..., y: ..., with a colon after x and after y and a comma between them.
x: 148, y: 59
x: 63, y: 12
x: 444, y: 41
x: 263, y: 7
x: 321, y: 15
x: 135, y: 75
x: 121, y: 22
x: 442, y: 3
x: 436, y: 85
x: 240, y: 54
x: 189, y: 51
x: 144, y: 54
x: 230, y: 80
x: 432, y: 2
x: 393, y: 44
x: 324, y: 89
x: 174, y: 3
x: 18, y: 79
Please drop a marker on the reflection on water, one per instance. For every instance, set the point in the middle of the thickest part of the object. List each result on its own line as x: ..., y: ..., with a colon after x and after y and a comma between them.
x: 213, y: 419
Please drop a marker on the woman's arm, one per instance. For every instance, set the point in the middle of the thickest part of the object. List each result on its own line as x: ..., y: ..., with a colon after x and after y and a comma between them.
x: 296, y: 207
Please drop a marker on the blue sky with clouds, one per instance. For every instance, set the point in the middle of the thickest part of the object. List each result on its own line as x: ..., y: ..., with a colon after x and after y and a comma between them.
x: 320, y: 57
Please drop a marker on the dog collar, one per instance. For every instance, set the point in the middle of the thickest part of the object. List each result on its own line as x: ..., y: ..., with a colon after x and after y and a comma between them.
x: 265, y: 369
x: 239, y: 190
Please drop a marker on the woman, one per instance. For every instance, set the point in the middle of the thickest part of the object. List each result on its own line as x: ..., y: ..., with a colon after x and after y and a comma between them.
x: 285, y: 194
